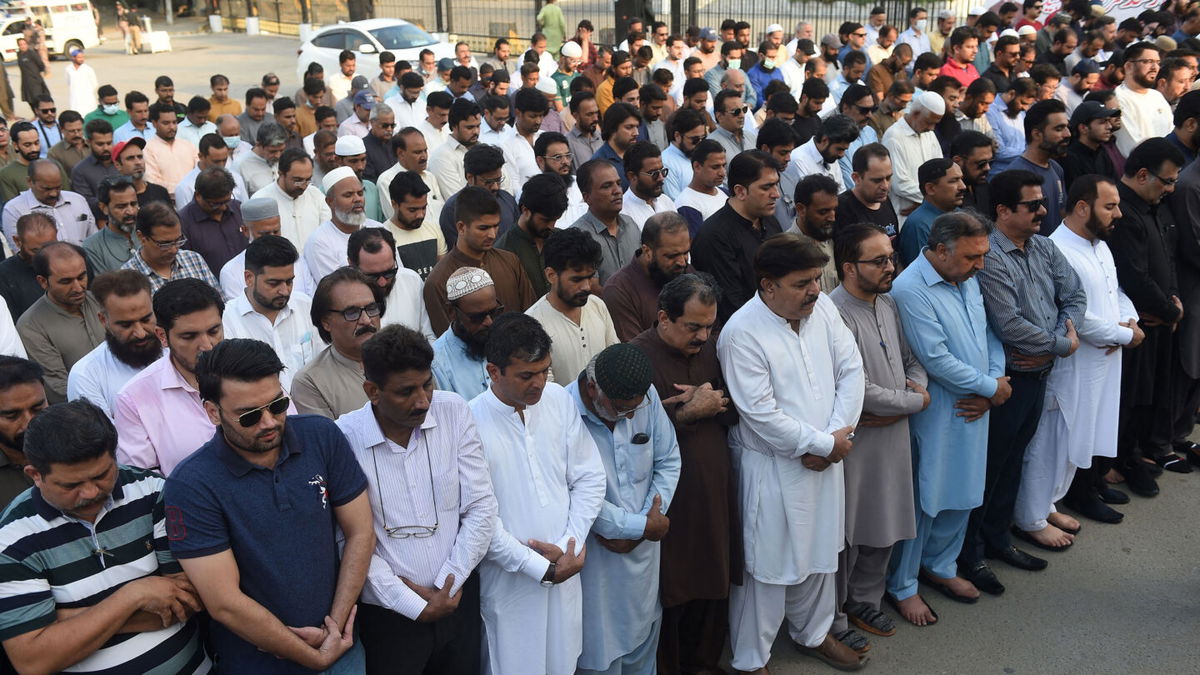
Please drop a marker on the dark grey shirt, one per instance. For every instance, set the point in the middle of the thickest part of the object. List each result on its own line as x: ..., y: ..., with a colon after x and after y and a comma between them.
x: 1029, y: 294
x: 86, y: 178
x: 618, y: 250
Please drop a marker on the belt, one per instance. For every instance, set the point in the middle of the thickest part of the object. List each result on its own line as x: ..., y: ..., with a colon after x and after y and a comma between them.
x: 1030, y: 374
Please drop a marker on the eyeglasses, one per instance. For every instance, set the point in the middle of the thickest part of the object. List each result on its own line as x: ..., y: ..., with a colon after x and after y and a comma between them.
x: 983, y: 163
x: 276, y: 407
x: 480, y: 317
x: 629, y: 411
x: 657, y: 173
x: 386, y: 275
x: 489, y: 182
x: 881, y: 262
x: 1033, y: 204
x: 300, y: 182
x: 353, y: 313
x: 1148, y: 62
x: 1168, y: 182
x: 168, y: 245
x: 559, y: 157
x: 406, y: 531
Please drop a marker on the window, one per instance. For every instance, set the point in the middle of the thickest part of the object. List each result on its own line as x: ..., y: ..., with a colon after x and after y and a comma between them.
x: 403, y: 36
x: 355, y: 40
x: 331, y: 40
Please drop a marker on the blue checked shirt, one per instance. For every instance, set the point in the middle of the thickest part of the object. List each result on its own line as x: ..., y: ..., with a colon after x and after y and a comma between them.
x: 187, y: 265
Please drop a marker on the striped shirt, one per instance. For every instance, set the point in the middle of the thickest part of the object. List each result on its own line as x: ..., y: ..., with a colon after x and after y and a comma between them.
x: 49, y: 560
x: 1029, y: 293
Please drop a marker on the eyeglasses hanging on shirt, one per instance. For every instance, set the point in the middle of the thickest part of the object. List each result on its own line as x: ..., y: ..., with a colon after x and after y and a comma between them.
x: 406, y: 531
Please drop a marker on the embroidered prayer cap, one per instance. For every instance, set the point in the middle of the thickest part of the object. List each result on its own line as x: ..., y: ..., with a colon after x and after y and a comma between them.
x: 465, y: 281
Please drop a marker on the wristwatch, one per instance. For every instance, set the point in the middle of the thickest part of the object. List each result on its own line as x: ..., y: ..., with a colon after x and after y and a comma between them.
x: 548, y: 577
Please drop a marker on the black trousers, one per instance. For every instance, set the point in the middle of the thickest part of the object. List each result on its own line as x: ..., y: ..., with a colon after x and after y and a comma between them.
x: 397, y: 645
x: 693, y: 636
x: 1010, y: 428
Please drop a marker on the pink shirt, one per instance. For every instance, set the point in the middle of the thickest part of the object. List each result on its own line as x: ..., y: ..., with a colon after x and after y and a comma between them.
x: 965, y: 76
x: 167, y: 163
x: 160, y: 419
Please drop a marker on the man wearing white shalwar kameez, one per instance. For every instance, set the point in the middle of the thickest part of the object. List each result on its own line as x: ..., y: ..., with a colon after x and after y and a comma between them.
x: 1079, y: 418
x: 636, y: 441
x: 796, y: 378
x: 549, y: 484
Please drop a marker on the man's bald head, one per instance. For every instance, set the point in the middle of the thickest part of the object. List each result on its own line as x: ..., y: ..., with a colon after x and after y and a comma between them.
x: 733, y: 79
x: 45, y: 181
x: 228, y: 125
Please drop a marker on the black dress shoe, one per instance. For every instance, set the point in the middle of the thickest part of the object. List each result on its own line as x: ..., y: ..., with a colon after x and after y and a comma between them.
x: 1094, y: 509
x: 983, y: 577
x: 1017, y: 558
x: 1139, y: 480
x: 1173, y: 462
x: 1112, y: 496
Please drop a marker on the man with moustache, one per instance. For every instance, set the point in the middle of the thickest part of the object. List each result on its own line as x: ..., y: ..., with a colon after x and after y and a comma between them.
x: 941, y: 312
x: 301, y: 206
x: 372, y: 251
x: 87, y: 175
x: 1145, y: 112
x: 345, y: 311
x: 22, y: 393
x: 576, y: 319
x: 269, y: 310
x: 64, y: 324
x: 912, y: 143
x: 616, y: 232
x: 646, y: 174
x: 1092, y: 128
x: 972, y: 151
x: 702, y: 552
x: 1033, y: 301
x: 44, y: 192
x: 632, y: 294
x: 160, y: 256
x: 816, y: 200
x: 867, y: 201
x: 942, y: 184
x: 1080, y: 414
x: 797, y: 422
x: 459, y: 363
x: 1047, y: 135
x: 130, y: 344
x: 879, y: 487
x: 553, y: 156
x: 543, y: 202
x: 412, y: 154
x: 160, y: 418
x: 112, y: 246
x: 325, y: 250
x: 686, y: 129
x: 260, y: 217
x: 213, y: 154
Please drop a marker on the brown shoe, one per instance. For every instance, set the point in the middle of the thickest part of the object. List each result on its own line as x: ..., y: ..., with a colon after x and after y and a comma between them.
x: 835, y: 654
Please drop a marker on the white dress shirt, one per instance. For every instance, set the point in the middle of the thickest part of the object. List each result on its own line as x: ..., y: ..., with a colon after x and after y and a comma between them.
x: 440, y: 479
x: 407, y: 114
x: 98, y: 377
x: 492, y: 137
x: 909, y: 151
x: 325, y: 250
x: 792, y: 389
x: 446, y: 164
x: 520, y: 163
x: 808, y: 161
x: 433, y: 205
x: 639, y: 209
x: 406, y: 303
x: 292, y: 335
x: 433, y: 137
x: 298, y: 218
x: 192, y: 133
x: 71, y: 214
x: 233, y: 277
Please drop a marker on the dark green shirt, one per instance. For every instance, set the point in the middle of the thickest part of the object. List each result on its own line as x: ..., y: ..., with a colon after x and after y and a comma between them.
x: 518, y: 242
x: 13, y: 481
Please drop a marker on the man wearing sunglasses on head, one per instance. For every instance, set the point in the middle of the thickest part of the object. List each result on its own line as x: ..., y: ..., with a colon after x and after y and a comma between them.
x: 435, y: 512
x: 346, y: 310
x: 271, y: 522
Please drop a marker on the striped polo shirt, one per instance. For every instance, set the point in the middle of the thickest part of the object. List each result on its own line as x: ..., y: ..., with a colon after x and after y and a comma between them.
x: 50, y: 560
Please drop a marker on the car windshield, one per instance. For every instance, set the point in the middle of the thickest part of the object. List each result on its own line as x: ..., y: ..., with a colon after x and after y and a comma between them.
x: 406, y: 36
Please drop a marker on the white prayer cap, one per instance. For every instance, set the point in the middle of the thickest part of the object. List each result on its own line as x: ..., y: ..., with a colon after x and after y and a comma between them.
x: 547, y: 85
x: 571, y: 50
x: 1008, y: 31
x: 261, y: 208
x: 977, y: 11
x: 1026, y: 30
x: 349, y: 146
x: 930, y: 101
x: 466, y: 281
x: 773, y: 28
x: 343, y: 172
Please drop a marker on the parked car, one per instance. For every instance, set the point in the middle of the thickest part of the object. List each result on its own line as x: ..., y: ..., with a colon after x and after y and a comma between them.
x: 69, y: 25
x: 367, y: 39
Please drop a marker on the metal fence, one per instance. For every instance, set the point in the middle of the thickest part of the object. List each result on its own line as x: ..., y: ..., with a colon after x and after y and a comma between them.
x: 480, y: 22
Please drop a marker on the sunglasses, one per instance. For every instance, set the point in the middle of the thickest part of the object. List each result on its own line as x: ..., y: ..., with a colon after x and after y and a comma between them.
x: 386, y: 275
x: 1033, y: 204
x: 353, y: 313
x: 253, y: 417
x: 480, y: 317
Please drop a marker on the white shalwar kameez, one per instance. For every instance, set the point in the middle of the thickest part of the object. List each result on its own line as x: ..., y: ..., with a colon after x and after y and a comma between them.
x: 549, y: 483
x: 1083, y: 392
x: 792, y: 389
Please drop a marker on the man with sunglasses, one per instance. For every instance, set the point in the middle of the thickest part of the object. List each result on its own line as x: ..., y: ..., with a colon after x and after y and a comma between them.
x: 159, y: 416
x: 646, y: 175
x: 372, y: 251
x: 972, y: 151
x: 267, y: 488
x: 378, y: 142
x: 346, y: 311
x: 269, y: 310
x: 434, y: 512
x: 459, y: 363
x: 730, y: 112
x: 879, y: 486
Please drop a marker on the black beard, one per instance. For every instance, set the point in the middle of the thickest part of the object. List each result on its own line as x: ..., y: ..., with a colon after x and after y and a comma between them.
x: 131, y: 355
x: 476, y: 344
x: 658, y: 276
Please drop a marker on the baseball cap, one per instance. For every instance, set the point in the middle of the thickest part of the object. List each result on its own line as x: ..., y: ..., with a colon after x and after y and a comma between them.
x: 118, y: 147
x: 831, y: 40
x: 1091, y: 110
x: 359, y: 83
x: 365, y: 98
x: 445, y: 64
x: 805, y: 45
x: 1085, y: 67
x: 708, y: 34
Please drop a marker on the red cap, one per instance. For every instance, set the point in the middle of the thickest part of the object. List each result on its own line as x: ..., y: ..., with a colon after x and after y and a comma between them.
x: 118, y: 147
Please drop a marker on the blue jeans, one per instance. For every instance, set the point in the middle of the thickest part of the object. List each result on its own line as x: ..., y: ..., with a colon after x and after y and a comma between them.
x: 353, y: 662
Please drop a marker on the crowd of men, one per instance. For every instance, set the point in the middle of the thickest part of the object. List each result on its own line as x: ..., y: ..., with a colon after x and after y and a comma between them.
x: 599, y: 359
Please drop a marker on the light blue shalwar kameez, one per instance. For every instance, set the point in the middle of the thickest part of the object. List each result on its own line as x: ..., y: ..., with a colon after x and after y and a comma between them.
x: 455, y: 370
x: 947, y: 329
x: 622, y: 613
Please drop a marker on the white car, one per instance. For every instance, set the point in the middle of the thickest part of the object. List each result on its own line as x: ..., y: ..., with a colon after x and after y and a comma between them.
x: 367, y: 39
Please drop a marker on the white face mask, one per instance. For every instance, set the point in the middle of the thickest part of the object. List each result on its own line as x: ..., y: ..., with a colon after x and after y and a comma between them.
x: 734, y: 64
x: 232, y: 141
x: 768, y: 64
x: 921, y: 24
x: 109, y: 108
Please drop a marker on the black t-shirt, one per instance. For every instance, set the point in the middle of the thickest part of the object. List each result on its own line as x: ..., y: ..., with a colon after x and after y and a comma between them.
x: 155, y: 193
x: 851, y: 210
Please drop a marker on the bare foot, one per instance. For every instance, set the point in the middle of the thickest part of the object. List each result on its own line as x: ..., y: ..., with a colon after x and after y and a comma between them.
x: 1052, y: 537
x: 1062, y: 521
x: 1113, y: 477
x: 915, y: 611
x: 961, y: 587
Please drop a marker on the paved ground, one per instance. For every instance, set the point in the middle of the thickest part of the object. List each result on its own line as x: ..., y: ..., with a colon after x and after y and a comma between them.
x: 1124, y: 599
